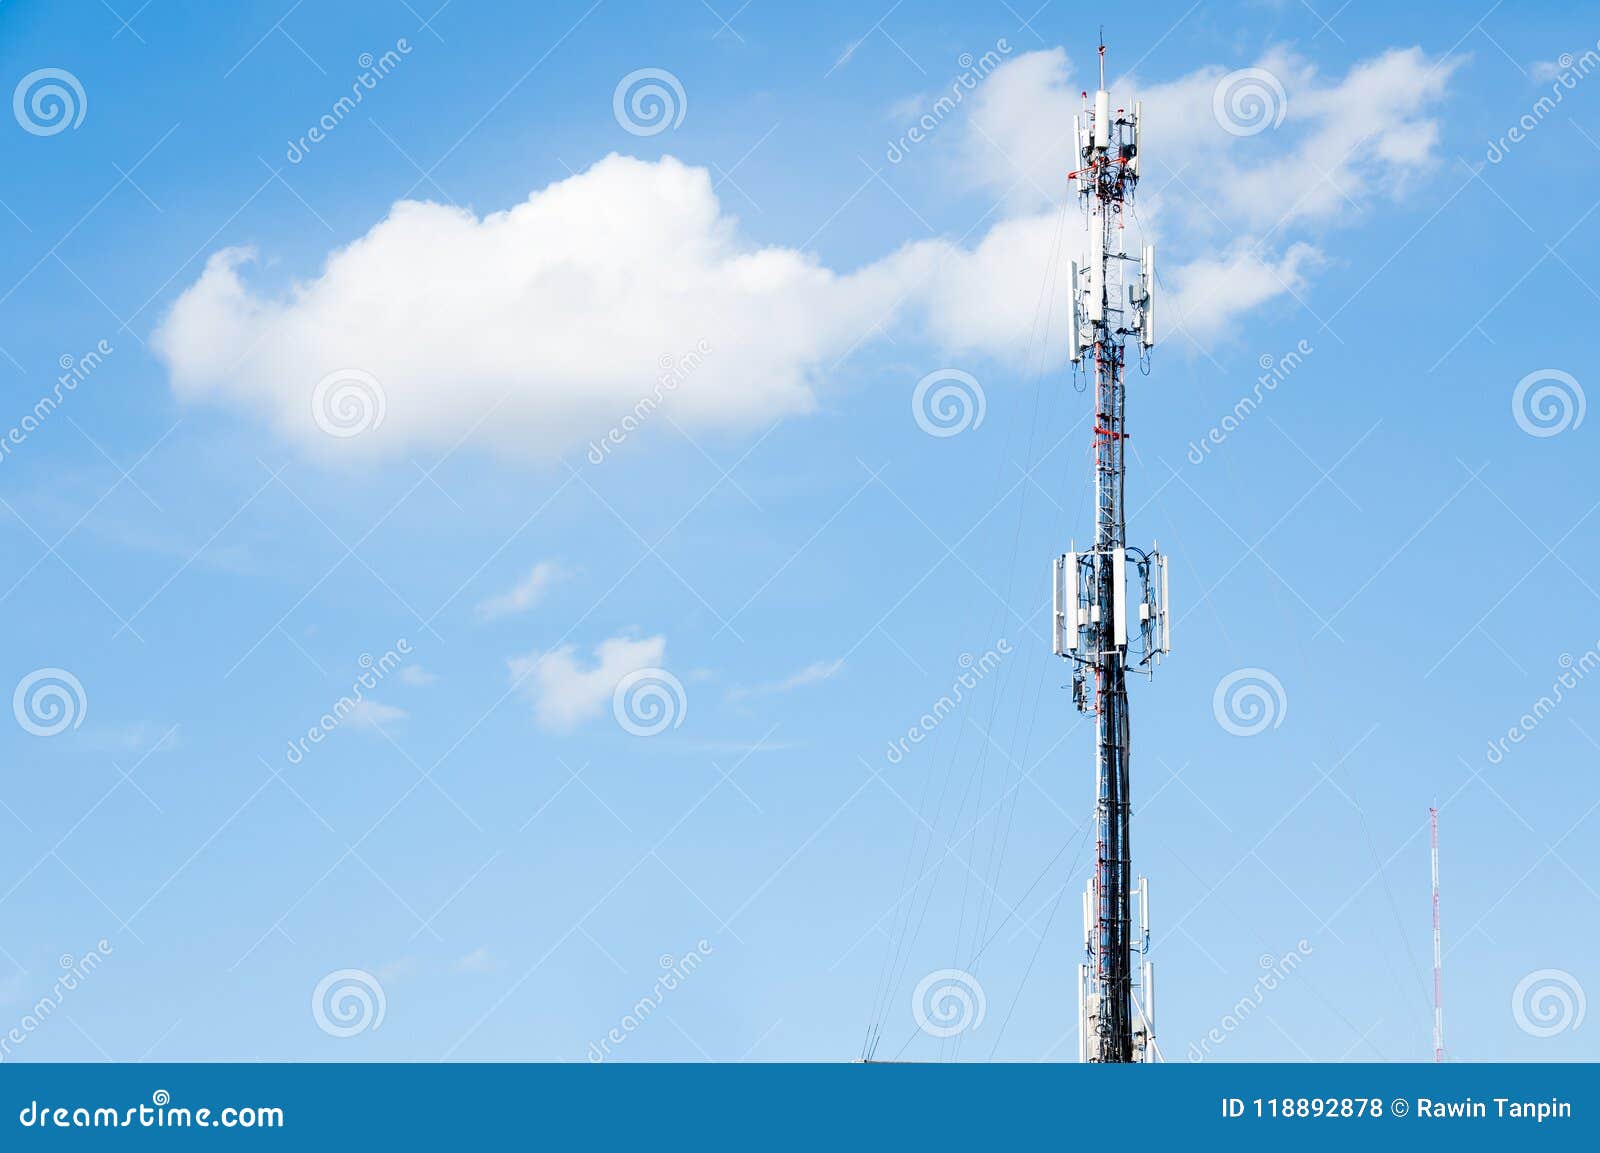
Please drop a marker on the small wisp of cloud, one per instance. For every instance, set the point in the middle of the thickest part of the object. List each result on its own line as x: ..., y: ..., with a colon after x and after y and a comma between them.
x: 522, y: 596
x: 371, y: 714
x: 565, y: 691
x: 480, y: 960
x: 814, y: 673
x: 417, y: 677
x: 1562, y: 75
x: 356, y: 706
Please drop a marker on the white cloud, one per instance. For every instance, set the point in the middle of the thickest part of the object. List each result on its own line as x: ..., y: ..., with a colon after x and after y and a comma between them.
x: 416, y: 676
x: 370, y: 714
x: 810, y: 675
x: 539, y: 328
x: 565, y: 693
x: 1230, y: 214
x: 480, y: 960
x: 554, y: 316
x: 1206, y: 293
x: 1339, y: 144
x: 523, y: 595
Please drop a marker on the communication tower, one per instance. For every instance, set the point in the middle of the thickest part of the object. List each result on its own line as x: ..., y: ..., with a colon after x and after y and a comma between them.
x: 1438, y: 957
x: 1111, y: 613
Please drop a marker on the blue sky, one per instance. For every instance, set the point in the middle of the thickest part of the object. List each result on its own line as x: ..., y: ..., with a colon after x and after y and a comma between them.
x: 1381, y: 534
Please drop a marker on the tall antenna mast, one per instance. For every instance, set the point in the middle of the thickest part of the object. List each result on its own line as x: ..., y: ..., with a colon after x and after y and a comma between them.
x: 1438, y: 1004
x: 1111, y: 600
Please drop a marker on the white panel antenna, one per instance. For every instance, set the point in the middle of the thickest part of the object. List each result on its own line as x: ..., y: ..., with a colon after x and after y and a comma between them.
x: 1119, y: 597
x: 1138, y: 131
x: 1147, y: 274
x: 1078, y: 341
x: 1059, y: 598
x: 1166, y: 612
x: 1071, y: 593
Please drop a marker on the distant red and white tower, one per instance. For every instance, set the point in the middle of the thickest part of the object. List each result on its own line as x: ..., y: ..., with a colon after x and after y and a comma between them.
x: 1438, y: 1004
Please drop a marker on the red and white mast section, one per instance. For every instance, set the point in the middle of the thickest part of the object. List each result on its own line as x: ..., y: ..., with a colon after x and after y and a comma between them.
x: 1438, y: 956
